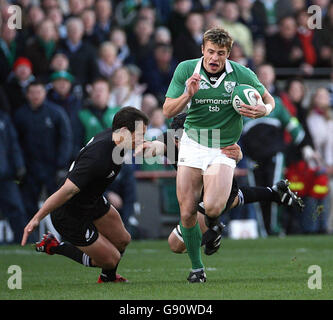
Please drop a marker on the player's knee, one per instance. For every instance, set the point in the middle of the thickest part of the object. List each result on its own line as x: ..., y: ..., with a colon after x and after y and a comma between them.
x: 214, y: 209
x: 110, y: 261
x: 175, y: 245
x: 124, y: 241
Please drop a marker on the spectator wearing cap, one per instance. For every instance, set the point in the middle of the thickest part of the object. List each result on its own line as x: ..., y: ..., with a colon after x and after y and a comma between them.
x: 17, y: 83
x: 45, y: 137
x: 62, y: 95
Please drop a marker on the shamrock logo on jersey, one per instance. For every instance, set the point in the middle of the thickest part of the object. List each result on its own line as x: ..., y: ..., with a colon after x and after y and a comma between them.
x: 229, y: 86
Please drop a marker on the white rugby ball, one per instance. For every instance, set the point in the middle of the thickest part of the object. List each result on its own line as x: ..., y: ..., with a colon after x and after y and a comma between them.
x: 245, y: 94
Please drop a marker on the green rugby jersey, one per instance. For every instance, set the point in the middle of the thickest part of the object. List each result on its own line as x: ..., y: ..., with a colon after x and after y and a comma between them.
x: 211, y: 120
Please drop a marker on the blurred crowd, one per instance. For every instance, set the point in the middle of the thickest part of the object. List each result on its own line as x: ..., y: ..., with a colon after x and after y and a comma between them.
x: 75, y: 63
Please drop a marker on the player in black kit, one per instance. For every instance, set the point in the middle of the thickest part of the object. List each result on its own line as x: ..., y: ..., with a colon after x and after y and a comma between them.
x: 91, y: 228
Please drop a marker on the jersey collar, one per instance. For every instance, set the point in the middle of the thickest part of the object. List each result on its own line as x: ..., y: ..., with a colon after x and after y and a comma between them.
x: 228, y: 69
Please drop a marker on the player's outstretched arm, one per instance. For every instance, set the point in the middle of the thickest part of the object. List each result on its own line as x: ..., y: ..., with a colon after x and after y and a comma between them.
x: 57, y: 199
x: 150, y: 149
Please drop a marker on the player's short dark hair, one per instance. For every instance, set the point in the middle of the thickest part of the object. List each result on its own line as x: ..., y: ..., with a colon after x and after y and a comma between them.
x: 178, y: 121
x: 127, y: 117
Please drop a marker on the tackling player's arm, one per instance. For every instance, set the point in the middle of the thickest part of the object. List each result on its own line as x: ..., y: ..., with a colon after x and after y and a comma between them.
x: 57, y: 199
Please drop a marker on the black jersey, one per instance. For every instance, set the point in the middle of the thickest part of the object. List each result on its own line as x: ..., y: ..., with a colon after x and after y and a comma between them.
x: 94, y: 169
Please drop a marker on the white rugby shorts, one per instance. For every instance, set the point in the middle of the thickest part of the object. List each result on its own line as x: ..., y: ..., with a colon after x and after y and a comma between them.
x: 195, y: 155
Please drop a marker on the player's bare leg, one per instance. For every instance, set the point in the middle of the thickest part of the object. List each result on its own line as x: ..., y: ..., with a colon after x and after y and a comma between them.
x: 103, y: 253
x: 217, y: 185
x: 112, y: 227
x: 189, y: 187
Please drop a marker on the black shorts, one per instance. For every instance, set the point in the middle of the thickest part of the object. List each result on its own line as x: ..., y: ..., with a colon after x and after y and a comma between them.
x: 75, y: 223
x: 232, y: 196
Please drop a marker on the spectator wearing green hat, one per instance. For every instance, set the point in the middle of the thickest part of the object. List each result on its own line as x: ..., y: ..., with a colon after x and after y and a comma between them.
x: 61, y: 94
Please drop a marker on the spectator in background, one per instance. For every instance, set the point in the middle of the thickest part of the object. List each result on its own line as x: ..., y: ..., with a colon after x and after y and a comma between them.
x: 135, y: 75
x: 247, y: 17
x: 45, y: 137
x: 237, y: 54
x: 88, y: 17
x: 292, y: 98
x: 149, y: 104
x: 237, y: 30
x: 158, y: 71
x: 259, y: 54
x: 61, y: 94
x: 56, y: 16
x: 306, y: 38
x: 320, y: 123
x: 324, y: 39
x: 176, y: 23
x: 9, y: 51
x: 12, y: 168
x: 41, y: 49
x: 17, y: 83
x: 188, y: 44
x: 268, y: 77
x: 107, y: 61
x: 141, y: 42
x: 287, y: 41
x: 48, y: 5
x: 122, y: 91
x: 103, y: 9
x: 270, y: 12
x: 147, y: 13
x: 76, y: 8
x: 35, y: 16
x: 269, y: 131
x: 97, y: 116
x: 59, y: 62
x: 157, y: 125
x: 118, y: 38
x: 163, y: 35
x: 81, y: 55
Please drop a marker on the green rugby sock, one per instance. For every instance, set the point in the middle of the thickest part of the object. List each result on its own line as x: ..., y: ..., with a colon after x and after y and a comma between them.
x: 192, y: 239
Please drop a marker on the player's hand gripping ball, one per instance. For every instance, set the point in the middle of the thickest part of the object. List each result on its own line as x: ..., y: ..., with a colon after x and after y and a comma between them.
x: 245, y: 94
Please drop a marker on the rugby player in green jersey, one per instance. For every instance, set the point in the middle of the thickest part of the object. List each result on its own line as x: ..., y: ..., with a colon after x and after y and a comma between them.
x: 205, y: 86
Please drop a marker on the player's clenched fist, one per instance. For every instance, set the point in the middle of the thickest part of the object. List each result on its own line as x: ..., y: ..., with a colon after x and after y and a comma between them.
x: 192, y: 84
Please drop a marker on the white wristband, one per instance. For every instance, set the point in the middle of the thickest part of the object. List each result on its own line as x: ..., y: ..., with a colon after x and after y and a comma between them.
x: 269, y: 108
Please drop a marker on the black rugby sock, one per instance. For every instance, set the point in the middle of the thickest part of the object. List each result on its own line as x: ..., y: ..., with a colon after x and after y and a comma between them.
x: 70, y: 251
x: 254, y: 194
x: 110, y: 274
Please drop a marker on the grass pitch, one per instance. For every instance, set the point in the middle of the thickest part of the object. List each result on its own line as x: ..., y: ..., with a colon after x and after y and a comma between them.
x: 273, y: 268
